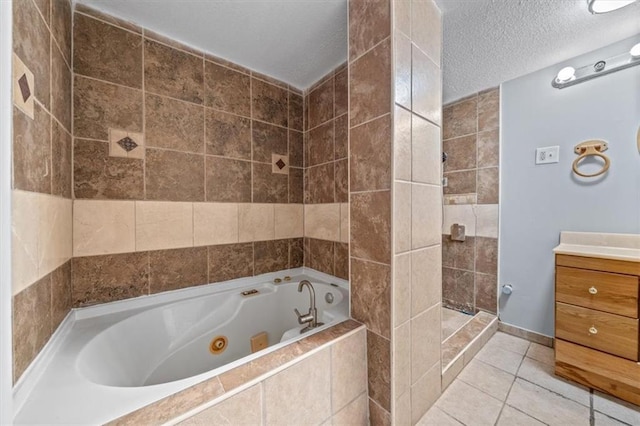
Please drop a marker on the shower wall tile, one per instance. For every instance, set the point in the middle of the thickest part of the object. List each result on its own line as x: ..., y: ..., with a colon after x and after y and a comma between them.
x: 342, y: 136
x: 61, y: 99
x: 489, y: 148
x: 461, y: 153
x: 173, y: 124
x: 426, y: 28
x: 347, y: 380
x: 296, y: 185
x: 402, y: 16
x: 172, y: 72
x: 151, y: 35
x: 227, y: 90
x: 460, y: 119
x: 215, y: 223
x: 107, y: 52
x: 295, y: 111
x: 488, y: 186
x: 270, y: 103
x: 486, y: 255
x: 319, y: 255
x: 289, y: 220
x: 489, y: 110
x: 425, y: 152
x: 369, y: 83
x: 425, y: 339
x: 296, y: 253
x: 379, y: 368
x: 97, y: 175
x: 402, y: 143
x: 100, y: 106
x: 31, y: 323
x: 61, y: 27
x: 425, y: 392
x: 402, y: 289
x: 341, y: 260
x: 320, y: 144
x: 177, y: 268
x: 426, y: 279
x: 369, y: 24
x: 426, y: 215
x: 61, y: 302
x: 60, y: 161
x: 268, y: 139
x: 403, y: 70
x: 486, y: 292
x: 321, y: 103
x: 320, y: 184
x: 371, y: 155
x: 270, y: 256
x: 458, y: 289
x: 103, y: 227
x: 256, y: 222
x: 426, y: 84
x: 342, y: 181
x: 31, y: 42
x: 269, y: 187
x: 101, y: 279
x: 462, y: 182
x: 174, y: 176
x: 296, y: 149
x: 230, y: 261
x: 341, y: 95
x: 371, y: 295
x: 32, y: 151
x: 402, y: 216
x: 458, y: 254
x: 228, y: 180
x: 163, y: 225
x: 371, y: 226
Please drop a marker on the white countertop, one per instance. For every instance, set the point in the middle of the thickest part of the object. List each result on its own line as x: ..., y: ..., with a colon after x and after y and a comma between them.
x: 607, y: 246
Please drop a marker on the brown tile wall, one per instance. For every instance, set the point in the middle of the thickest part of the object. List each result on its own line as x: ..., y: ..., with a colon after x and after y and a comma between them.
x: 370, y: 142
x: 106, y: 278
x: 210, y: 127
x: 471, y: 133
x: 326, y: 166
x: 417, y: 206
x: 42, y: 164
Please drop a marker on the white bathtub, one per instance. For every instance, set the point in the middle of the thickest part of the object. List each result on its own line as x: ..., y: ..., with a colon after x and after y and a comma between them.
x: 112, y: 359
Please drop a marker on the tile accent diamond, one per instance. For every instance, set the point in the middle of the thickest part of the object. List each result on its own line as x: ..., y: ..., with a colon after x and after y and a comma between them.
x: 280, y: 164
x: 127, y: 144
x: 24, y: 88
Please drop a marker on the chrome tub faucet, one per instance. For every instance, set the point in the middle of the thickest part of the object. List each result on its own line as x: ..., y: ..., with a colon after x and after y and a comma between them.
x: 310, y: 317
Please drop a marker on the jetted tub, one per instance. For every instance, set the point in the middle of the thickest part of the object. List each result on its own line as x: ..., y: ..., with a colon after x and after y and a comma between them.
x: 112, y: 359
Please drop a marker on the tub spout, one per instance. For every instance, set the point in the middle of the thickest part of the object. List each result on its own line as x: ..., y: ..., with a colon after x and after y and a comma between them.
x: 310, y: 317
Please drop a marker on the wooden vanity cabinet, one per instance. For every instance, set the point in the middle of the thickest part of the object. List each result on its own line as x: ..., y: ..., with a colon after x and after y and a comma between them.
x: 597, y: 324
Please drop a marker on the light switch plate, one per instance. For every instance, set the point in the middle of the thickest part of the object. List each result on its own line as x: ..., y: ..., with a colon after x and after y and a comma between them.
x: 547, y: 155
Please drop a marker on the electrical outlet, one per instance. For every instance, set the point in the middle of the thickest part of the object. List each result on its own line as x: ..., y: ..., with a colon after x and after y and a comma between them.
x: 547, y: 155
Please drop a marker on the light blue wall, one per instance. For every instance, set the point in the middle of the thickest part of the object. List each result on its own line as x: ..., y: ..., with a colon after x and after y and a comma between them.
x: 537, y: 202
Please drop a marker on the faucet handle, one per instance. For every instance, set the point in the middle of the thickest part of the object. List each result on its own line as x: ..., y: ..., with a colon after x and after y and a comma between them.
x: 303, y: 319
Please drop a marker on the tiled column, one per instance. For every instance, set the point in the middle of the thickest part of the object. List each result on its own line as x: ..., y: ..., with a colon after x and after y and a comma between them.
x: 417, y: 201
x: 370, y: 191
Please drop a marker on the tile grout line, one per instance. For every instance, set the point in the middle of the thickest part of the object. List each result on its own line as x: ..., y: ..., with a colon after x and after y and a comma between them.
x: 515, y: 377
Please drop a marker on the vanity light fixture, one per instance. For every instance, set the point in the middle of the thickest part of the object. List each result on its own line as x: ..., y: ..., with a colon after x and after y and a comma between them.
x: 568, y: 76
x: 604, y: 6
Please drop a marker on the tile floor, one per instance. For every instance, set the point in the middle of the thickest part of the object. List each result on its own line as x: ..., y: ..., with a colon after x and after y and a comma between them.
x: 452, y: 321
x: 510, y: 382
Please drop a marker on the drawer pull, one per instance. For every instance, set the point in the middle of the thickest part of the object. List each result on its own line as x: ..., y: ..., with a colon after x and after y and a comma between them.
x: 593, y: 330
x: 593, y: 290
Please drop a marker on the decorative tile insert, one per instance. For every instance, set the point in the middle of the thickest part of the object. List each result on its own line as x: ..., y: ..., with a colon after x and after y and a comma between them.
x: 23, y: 87
x: 280, y: 164
x: 126, y: 144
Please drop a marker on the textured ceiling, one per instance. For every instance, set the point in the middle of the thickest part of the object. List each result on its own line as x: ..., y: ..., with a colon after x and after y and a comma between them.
x: 487, y: 42
x: 295, y: 41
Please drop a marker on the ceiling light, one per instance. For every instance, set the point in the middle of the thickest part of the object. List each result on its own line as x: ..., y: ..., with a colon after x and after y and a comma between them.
x: 635, y: 51
x: 566, y: 74
x: 604, y: 6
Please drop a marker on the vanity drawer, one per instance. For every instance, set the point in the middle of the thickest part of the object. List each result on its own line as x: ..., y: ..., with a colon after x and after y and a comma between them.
x: 609, y: 333
x: 614, y: 293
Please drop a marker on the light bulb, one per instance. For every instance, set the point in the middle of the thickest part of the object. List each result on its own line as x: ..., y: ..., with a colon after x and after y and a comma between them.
x: 635, y: 51
x: 604, y: 6
x: 566, y: 74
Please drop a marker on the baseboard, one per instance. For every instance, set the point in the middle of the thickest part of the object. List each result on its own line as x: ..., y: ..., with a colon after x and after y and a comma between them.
x: 529, y: 335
